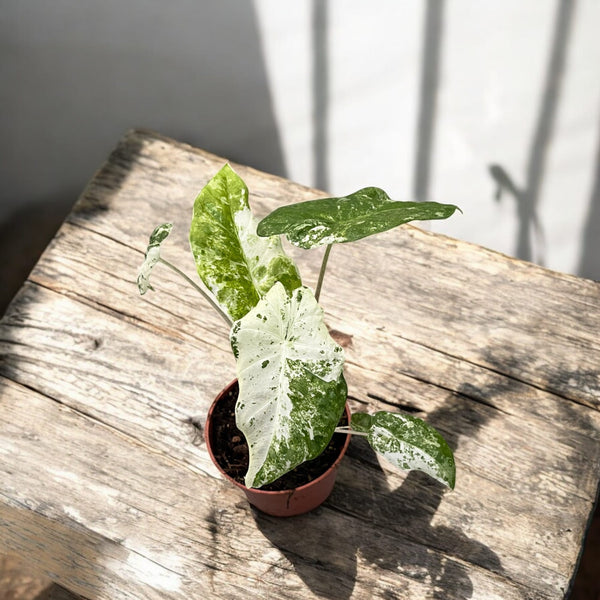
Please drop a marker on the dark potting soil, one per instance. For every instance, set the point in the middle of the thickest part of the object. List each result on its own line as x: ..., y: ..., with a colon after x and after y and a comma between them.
x: 231, y: 450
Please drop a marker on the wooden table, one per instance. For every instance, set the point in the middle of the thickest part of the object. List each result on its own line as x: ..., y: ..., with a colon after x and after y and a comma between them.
x: 105, y: 482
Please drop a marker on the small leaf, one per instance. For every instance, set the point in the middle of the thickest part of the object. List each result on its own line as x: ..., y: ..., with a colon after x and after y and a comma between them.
x: 348, y: 218
x: 410, y: 443
x: 158, y: 236
x: 291, y: 387
x: 361, y: 422
x: 233, y: 262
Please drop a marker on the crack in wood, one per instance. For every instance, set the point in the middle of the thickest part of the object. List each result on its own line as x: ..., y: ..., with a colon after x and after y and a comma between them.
x: 490, y: 369
x: 405, y: 407
x: 133, y: 319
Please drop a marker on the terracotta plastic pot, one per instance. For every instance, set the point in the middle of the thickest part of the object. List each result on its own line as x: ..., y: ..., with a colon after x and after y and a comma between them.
x: 285, y: 503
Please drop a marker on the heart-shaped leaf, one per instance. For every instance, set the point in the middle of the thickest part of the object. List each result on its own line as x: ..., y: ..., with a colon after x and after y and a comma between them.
x: 348, y: 218
x: 157, y: 237
x: 236, y: 265
x: 361, y: 422
x: 291, y: 386
x: 409, y: 443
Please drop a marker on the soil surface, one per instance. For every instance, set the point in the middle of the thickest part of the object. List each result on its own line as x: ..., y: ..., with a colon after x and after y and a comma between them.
x: 231, y: 450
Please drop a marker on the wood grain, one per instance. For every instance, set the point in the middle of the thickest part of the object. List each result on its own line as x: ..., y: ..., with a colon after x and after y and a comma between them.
x: 104, y: 477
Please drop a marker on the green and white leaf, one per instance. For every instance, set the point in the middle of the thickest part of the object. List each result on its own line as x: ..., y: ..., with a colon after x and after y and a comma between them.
x: 409, y: 443
x: 361, y: 422
x: 157, y: 237
x: 347, y: 218
x: 233, y: 262
x: 291, y: 387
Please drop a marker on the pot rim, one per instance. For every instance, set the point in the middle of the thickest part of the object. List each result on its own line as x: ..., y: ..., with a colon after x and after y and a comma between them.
x: 286, y: 492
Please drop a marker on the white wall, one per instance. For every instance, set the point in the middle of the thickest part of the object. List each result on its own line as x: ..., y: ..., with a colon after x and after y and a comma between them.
x: 417, y: 97
x: 507, y: 83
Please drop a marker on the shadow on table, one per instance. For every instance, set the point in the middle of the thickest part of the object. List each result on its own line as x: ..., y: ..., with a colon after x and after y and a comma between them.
x: 75, y: 558
x: 585, y: 583
x: 41, y: 220
x: 393, y: 530
x: 56, y: 592
x: 21, y: 252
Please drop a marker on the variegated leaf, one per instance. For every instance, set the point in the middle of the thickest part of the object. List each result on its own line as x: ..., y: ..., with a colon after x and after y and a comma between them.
x: 348, y: 218
x: 409, y: 443
x: 291, y: 386
x: 233, y: 262
x: 157, y: 237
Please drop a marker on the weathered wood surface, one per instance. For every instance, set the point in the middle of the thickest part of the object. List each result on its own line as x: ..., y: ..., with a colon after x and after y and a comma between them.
x: 105, y: 482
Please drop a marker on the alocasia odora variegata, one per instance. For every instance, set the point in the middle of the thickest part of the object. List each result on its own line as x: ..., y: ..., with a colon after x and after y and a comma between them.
x: 290, y: 371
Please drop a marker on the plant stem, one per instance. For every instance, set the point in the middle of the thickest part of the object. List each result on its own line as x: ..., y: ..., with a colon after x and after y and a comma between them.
x: 199, y: 289
x: 347, y: 430
x: 322, y: 271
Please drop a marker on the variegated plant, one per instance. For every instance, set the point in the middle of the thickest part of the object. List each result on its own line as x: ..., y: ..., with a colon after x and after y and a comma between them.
x: 292, y: 390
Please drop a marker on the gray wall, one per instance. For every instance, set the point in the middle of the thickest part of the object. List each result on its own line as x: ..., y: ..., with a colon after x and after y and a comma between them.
x: 76, y: 74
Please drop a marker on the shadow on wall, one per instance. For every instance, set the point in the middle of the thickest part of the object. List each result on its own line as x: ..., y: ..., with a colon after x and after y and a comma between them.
x: 76, y: 77
x: 320, y: 90
x: 433, y: 32
x: 589, y: 264
x: 530, y: 242
x: 527, y: 197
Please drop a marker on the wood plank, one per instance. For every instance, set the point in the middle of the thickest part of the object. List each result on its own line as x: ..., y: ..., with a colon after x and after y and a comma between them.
x: 174, y: 441
x: 114, y: 370
x: 491, y: 454
x: 118, y: 521
x: 500, y: 355
x: 365, y: 349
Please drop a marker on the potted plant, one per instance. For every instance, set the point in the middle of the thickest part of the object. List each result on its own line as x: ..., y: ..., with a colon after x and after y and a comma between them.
x: 287, y: 408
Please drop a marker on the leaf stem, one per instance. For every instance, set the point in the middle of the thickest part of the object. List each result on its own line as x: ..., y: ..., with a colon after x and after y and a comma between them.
x: 199, y: 289
x: 347, y: 430
x: 322, y: 271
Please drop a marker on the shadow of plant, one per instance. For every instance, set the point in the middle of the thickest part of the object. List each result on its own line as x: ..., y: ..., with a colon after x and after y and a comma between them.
x: 386, y: 539
x: 392, y: 528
